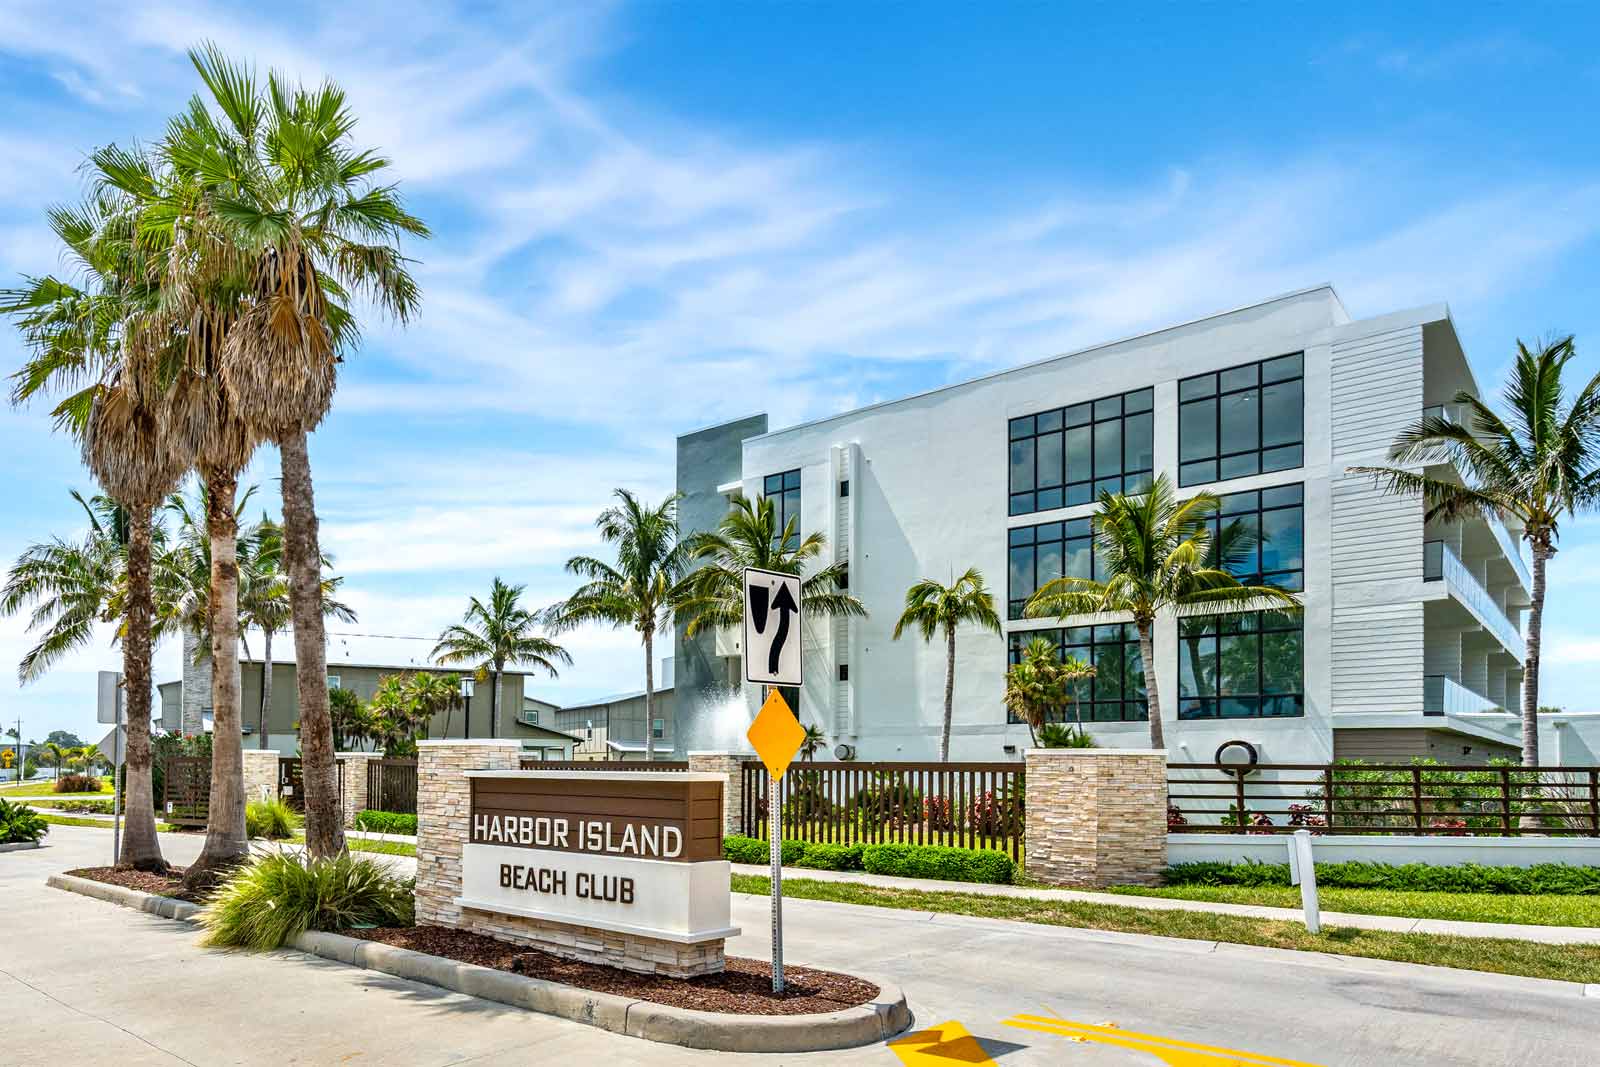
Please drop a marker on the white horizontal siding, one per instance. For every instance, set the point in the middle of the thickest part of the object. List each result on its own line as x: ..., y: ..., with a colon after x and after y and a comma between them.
x: 1377, y: 658
x: 1377, y: 391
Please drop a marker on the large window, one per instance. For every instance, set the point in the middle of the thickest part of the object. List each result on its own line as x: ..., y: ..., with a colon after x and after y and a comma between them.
x: 1248, y: 665
x: 1040, y: 554
x: 1116, y: 693
x: 1071, y: 455
x: 1242, y: 421
x: 1259, y: 536
x: 784, y: 492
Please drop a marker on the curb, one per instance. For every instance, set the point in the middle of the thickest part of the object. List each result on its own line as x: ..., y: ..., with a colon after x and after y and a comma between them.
x: 878, y: 1019
x: 21, y: 846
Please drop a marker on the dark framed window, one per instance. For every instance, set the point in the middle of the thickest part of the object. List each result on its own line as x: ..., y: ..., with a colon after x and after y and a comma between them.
x: 784, y: 492
x: 1116, y: 692
x: 1069, y: 456
x: 1043, y: 553
x: 1242, y: 421
x: 844, y: 672
x: 1259, y: 536
x: 1247, y: 665
x: 658, y: 728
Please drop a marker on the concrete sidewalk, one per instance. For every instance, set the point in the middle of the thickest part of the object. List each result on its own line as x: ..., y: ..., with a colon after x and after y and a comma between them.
x: 1549, y: 935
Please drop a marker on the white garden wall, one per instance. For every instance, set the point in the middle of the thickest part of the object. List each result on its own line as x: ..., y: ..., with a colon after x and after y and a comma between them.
x: 1341, y: 848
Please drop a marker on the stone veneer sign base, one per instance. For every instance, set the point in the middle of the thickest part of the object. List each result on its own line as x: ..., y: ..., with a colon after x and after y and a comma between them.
x: 865, y: 1024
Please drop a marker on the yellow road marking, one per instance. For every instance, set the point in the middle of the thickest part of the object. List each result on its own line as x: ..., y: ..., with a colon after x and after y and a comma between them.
x: 1167, y: 1050
x: 940, y: 1046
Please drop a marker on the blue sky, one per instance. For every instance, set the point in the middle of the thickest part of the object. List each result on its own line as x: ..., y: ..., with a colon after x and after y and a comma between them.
x: 638, y: 205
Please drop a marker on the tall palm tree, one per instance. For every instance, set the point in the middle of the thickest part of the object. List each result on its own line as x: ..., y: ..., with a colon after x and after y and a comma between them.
x: 270, y: 173
x: 639, y: 591
x: 1538, y: 464
x: 100, y: 341
x: 748, y: 536
x: 494, y: 635
x: 932, y: 608
x: 1157, y: 554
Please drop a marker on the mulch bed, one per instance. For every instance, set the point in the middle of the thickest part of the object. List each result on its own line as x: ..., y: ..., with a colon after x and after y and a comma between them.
x: 745, y: 987
x: 166, y: 885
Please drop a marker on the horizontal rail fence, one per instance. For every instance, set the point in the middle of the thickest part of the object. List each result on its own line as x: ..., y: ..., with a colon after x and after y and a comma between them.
x: 392, y: 785
x: 292, y: 785
x: 1484, y: 800
x: 603, y: 765
x: 186, y: 790
x: 963, y: 805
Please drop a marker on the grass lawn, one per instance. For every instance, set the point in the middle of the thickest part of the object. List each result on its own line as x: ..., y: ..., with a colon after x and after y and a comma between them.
x: 1572, y: 963
x: 47, y: 788
x: 1546, y: 909
x: 98, y: 824
x: 361, y: 844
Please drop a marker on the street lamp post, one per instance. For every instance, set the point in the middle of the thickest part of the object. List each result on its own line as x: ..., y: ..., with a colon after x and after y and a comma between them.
x: 466, y: 695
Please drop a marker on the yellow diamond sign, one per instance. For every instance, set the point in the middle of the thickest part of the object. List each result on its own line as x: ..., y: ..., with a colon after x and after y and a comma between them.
x: 776, y: 735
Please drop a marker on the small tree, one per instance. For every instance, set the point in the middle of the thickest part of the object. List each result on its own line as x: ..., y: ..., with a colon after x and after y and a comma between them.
x: 812, y: 742
x: 1041, y: 685
x: 932, y: 607
x: 497, y: 634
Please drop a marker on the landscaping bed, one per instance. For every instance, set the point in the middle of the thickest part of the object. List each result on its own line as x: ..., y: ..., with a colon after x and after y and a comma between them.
x: 745, y: 987
x: 162, y: 885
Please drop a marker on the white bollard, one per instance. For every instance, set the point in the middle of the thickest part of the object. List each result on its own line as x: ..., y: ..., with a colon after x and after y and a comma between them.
x: 1303, y: 873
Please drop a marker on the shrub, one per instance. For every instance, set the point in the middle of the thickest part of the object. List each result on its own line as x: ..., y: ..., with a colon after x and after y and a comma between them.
x: 280, y: 896
x: 1556, y: 878
x: 78, y: 783
x: 1059, y: 735
x: 831, y: 857
x: 741, y: 849
x: 270, y: 819
x: 387, y: 822
x: 101, y: 806
x: 19, y: 823
x: 935, y: 861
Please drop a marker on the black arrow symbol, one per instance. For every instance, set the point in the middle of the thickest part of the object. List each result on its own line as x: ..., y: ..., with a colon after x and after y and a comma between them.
x: 785, y: 606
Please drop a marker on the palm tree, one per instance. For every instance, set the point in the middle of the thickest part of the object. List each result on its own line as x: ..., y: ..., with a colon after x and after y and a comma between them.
x: 713, y: 595
x: 931, y: 608
x: 1041, y: 683
x: 273, y: 176
x: 495, y: 635
x: 640, y: 590
x: 101, y: 342
x: 55, y: 753
x: 89, y: 756
x: 1537, y: 465
x: 813, y: 742
x: 1157, y: 554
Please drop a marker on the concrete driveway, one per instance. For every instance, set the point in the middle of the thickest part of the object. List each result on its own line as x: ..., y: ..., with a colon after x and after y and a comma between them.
x: 87, y: 982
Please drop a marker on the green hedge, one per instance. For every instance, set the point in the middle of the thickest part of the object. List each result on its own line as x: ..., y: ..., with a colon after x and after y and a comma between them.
x: 1555, y: 878
x: 387, y: 822
x: 936, y: 861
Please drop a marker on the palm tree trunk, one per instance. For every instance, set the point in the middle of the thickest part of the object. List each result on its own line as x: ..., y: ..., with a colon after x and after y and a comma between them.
x: 266, y: 688
x: 302, y: 555
x: 1530, y: 662
x: 949, y: 692
x: 1147, y: 657
x: 494, y: 700
x: 649, y: 697
x: 226, y: 843
x: 141, y: 849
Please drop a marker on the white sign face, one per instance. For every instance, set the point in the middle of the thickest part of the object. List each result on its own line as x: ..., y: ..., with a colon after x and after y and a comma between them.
x: 772, y: 627
x: 109, y: 701
x: 683, y: 902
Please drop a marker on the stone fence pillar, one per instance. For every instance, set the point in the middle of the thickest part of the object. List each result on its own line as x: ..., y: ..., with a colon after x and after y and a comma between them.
x: 260, y: 774
x: 355, y: 783
x: 1096, y: 816
x: 727, y: 764
x: 444, y: 805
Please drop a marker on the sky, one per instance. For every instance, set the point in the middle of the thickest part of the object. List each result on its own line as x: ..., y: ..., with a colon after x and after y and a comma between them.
x: 651, y: 217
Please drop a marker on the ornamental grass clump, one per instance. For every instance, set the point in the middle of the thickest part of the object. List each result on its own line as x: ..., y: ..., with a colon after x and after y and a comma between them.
x: 280, y: 895
x: 272, y: 819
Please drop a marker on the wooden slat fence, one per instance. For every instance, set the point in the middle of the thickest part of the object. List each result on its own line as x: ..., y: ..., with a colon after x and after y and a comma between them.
x: 963, y: 805
x: 186, y: 790
x: 1347, y: 798
x: 392, y: 785
x: 291, y: 782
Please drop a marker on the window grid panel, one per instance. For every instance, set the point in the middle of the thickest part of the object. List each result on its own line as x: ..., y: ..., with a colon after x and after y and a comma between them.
x: 1247, y: 635
x: 1118, y: 643
x: 783, y: 490
x: 1255, y: 510
x: 1065, y: 542
x: 1210, y: 405
x: 1111, y: 441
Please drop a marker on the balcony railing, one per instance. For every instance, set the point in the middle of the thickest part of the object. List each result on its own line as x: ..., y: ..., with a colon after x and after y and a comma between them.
x: 1443, y: 695
x: 1440, y: 563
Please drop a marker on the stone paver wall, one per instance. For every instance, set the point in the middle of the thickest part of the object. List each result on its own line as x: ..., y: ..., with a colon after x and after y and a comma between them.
x: 355, y: 784
x: 260, y: 774
x: 1096, y: 817
x: 727, y: 764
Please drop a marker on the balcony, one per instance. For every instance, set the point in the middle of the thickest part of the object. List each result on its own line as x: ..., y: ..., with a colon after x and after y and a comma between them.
x: 1443, y: 695
x: 1509, y: 545
x: 1441, y: 564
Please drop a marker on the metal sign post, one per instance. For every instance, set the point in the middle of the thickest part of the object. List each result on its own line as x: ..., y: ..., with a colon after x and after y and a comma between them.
x: 775, y: 833
x: 112, y: 706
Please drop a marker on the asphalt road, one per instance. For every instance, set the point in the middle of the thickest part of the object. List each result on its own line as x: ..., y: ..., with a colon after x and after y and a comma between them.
x: 86, y: 982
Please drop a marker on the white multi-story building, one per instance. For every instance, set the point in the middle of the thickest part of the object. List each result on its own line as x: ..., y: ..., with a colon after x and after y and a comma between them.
x: 1410, y: 640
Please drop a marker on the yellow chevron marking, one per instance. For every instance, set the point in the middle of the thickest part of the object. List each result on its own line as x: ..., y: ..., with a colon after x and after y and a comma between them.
x: 940, y: 1046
